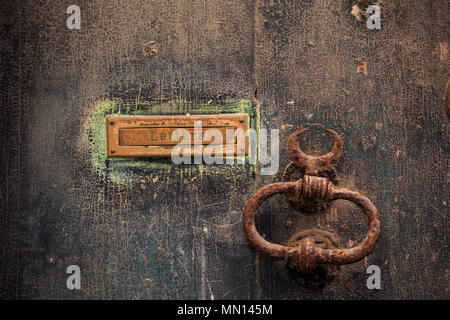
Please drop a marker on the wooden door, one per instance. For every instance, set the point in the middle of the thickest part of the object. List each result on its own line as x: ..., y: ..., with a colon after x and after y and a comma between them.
x: 151, y: 230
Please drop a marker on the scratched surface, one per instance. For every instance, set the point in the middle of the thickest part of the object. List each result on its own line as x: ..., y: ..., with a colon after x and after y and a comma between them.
x: 175, y: 234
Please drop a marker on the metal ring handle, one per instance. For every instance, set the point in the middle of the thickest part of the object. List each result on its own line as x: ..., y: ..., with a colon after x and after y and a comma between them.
x: 308, y: 255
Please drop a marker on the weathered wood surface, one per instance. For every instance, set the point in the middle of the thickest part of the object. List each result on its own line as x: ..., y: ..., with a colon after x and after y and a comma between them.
x: 177, y: 234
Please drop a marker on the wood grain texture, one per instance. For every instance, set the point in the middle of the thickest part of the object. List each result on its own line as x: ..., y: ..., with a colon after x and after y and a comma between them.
x: 177, y: 234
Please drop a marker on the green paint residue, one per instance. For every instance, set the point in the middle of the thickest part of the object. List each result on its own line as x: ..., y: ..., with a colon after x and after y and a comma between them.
x: 128, y: 170
x: 96, y: 133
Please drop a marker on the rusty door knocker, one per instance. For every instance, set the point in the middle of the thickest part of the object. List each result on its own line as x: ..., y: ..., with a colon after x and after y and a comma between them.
x: 308, y: 255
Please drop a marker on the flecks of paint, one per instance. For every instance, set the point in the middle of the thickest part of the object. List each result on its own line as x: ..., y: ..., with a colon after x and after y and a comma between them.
x: 357, y: 12
x: 362, y: 68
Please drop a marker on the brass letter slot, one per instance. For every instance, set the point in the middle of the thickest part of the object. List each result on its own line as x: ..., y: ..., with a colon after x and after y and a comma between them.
x: 153, y: 136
